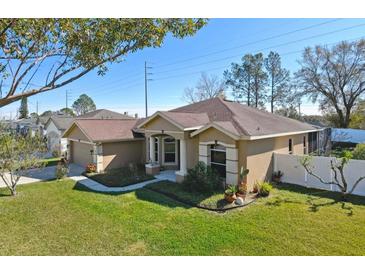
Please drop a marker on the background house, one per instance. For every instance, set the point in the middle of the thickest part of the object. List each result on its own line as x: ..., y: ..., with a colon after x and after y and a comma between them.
x: 108, y: 143
x: 55, y: 127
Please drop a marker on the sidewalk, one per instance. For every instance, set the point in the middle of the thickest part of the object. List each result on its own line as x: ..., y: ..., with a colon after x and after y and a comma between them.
x: 93, y: 185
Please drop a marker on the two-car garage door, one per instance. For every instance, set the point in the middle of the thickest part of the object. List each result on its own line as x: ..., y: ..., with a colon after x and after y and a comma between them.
x: 81, y: 153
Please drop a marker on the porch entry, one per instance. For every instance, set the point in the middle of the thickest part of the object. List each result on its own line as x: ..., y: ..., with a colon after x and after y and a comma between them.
x: 164, y: 150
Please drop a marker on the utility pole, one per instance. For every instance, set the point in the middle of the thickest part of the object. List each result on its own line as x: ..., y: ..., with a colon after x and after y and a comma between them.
x: 37, y: 108
x: 66, y: 99
x: 146, y: 79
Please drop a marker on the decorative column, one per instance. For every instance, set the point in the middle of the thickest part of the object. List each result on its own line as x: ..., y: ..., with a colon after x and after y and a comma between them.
x: 152, y: 167
x: 231, y: 166
x: 98, y: 157
x: 204, y: 153
x: 180, y: 175
x: 152, y: 149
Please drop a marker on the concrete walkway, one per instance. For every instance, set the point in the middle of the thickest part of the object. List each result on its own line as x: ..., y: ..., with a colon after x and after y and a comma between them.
x: 44, y: 174
x: 48, y: 173
x: 95, y: 186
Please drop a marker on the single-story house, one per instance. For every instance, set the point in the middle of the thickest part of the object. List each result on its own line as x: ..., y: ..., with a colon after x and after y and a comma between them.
x: 105, y: 114
x: 223, y: 134
x: 55, y: 127
x: 109, y: 143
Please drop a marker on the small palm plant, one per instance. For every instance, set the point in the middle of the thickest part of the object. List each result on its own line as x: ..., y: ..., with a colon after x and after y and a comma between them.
x: 242, y: 185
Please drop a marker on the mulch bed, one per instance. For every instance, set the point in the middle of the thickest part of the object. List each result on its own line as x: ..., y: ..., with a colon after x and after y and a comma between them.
x: 221, y: 206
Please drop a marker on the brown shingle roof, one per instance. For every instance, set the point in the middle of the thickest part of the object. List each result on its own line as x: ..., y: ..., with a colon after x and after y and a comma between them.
x: 241, y: 119
x: 104, y: 114
x: 62, y: 123
x: 187, y: 120
x: 100, y: 130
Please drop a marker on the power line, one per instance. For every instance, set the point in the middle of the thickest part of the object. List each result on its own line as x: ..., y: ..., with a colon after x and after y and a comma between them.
x: 250, y: 43
x: 263, y: 49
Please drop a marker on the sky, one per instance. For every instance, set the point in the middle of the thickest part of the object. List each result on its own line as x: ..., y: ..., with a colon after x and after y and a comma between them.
x: 178, y: 63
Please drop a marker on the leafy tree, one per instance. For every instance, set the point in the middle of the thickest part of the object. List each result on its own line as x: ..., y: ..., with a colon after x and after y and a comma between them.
x: 207, y: 87
x: 278, y: 78
x: 334, y: 76
x: 289, y: 112
x: 239, y: 78
x: 83, y: 105
x: 357, y: 118
x: 248, y: 79
x: 57, y: 51
x: 259, y: 80
x: 17, y: 155
x: 68, y: 111
x: 23, y: 110
x: 34, y: 115
x: 359, y: 152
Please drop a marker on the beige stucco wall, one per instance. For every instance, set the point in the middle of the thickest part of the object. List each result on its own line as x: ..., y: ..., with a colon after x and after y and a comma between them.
x: 120, y: 154
x: 77, y: 134
x: 213, y: 134
x: 257, y: 155
x: 159, y: 123
x: 192, y: 151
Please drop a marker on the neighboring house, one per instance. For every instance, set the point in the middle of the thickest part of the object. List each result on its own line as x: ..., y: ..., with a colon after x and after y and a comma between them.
x: 105, y: 114
x: 55, y: 127
x: 109, y: 143
x: 41, y: 122
x: 25, y: 126
x: 225, y: 135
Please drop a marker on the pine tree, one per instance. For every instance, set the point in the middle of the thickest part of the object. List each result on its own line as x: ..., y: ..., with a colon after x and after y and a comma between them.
x: 23, y: 110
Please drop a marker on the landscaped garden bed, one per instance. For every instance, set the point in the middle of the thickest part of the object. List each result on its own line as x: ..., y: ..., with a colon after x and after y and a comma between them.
x: 211, y: 201
x: 118, y: 177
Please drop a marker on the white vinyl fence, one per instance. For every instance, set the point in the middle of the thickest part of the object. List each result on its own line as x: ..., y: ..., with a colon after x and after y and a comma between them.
x: 294, y: 172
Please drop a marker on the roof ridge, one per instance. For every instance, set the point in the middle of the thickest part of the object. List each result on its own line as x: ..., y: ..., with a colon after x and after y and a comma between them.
x: 234, y: 121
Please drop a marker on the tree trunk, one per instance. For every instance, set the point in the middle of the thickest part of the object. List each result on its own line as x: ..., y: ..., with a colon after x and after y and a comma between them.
x: 13, y: 190
x: 272, y: 94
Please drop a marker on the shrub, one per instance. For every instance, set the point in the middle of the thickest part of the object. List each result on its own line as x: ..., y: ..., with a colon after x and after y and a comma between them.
x: 231, y: 190
x: 264, y: 188
x: 359, y: 152
x: 91, y: 168
x: 56, y: 153
x: 202, y: 178
x: 61, y: 170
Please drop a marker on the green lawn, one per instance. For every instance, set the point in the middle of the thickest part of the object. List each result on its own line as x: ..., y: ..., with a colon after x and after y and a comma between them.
x: 51, y: 161
x: 54, y: 218
x: 120, y: 176
x: 213, y: 201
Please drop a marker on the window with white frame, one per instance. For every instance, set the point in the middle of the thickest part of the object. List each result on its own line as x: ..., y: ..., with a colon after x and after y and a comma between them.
x: 169, y: 152
x: 218, y: 159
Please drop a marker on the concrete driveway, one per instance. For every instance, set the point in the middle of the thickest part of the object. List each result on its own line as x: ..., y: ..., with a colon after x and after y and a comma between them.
x: 45, y: 174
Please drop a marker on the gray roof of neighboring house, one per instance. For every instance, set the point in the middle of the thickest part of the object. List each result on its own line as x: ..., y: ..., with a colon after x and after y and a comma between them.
x: 237, y: 118
x: 62, y: 123
x: 104, y: 114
